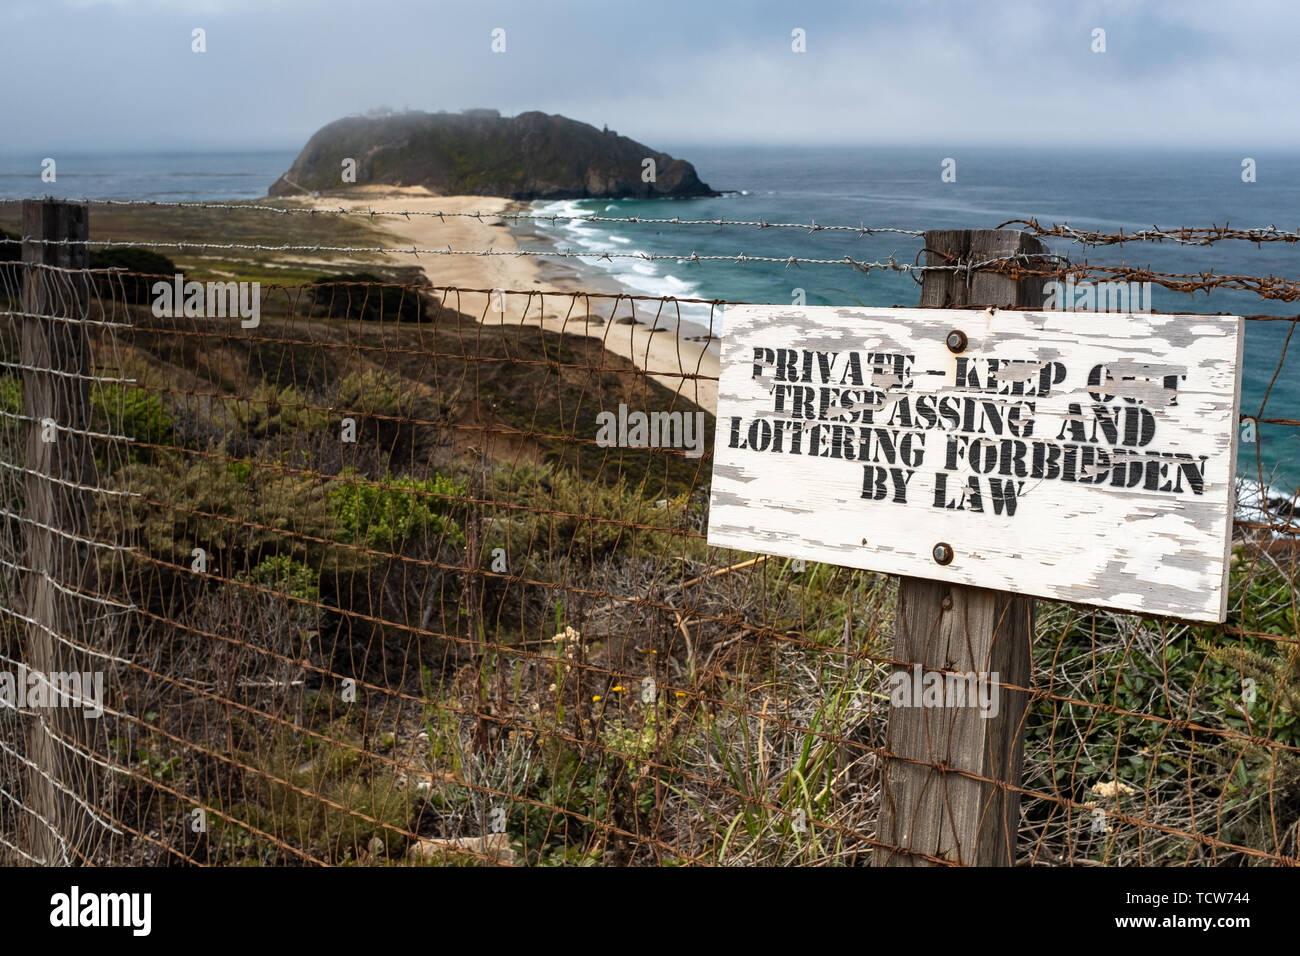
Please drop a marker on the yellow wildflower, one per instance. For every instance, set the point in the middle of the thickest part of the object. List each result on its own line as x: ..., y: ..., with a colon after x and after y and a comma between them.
x: 1112, y: 788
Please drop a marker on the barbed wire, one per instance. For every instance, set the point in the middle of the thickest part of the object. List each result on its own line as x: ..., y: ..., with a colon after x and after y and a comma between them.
x: 424, y: 287
x: 1016, y: 265
x: 370, y: 212
x: 1180, y: 235
x: 741, y: 258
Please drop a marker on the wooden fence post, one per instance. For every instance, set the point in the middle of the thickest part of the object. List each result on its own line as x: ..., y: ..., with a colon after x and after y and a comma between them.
x: 926, y: 807
x: 60, y: 782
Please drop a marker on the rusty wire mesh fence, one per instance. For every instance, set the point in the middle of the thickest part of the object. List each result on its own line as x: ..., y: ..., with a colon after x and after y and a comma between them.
x: 362, y: 583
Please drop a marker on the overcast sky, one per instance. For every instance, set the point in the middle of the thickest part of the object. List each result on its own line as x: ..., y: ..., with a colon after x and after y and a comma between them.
x: 115, y: 74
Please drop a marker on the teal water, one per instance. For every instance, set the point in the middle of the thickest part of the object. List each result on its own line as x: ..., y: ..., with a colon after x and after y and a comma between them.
x: 173, y: 177
x: 1102, y: 190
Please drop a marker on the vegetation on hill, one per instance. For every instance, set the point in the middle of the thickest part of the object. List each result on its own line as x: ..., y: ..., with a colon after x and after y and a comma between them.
x: 349, y: 558
x: 533, y: 623
x: 364, y: 295
x: 143, y: 266
x: 479, y: 152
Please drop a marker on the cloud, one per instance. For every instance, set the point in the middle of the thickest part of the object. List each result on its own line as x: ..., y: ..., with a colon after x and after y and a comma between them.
x: 1175, y: 72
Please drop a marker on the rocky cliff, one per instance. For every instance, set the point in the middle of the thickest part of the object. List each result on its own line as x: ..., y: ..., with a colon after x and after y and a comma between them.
x: 479, y: 152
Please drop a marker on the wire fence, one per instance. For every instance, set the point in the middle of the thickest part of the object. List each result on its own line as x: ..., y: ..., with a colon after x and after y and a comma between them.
x: 1016, y: 266
x: 360, y: 582
x: 1180, y: 235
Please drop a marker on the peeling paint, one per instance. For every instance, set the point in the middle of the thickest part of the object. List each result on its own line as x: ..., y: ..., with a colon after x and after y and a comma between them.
x: 1148, y: 532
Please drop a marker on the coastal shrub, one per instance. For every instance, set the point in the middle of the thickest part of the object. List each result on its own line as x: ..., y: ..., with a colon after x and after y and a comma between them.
x: 1119, y: 665
x: 273, y: 607
x: 127, y: 410
x: 237, y: 511
x: 391, y: 414
x: 376, y: 392
x: 11, y: 395
x: 282, y: 573
x: 358, y: 801
x: 361, y: 809
x: 1263, y: 782
x: 130, y: 411
x: 12, y: 441
x: 385, y: 517
x: 568, y: 514
x: 271, y: 410
x: 134, y: 289
x: 365, y: 296
x: 394, y: 536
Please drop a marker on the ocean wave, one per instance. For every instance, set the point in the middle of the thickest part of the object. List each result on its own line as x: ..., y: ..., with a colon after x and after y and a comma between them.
x: 1267, y: 504
x: 637, y: 276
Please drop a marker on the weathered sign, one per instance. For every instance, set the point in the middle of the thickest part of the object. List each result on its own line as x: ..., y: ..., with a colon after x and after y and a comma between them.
x: 1087, y: 457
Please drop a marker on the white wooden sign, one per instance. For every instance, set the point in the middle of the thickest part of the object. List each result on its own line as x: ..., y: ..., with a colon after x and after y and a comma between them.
x: 1083, y: 456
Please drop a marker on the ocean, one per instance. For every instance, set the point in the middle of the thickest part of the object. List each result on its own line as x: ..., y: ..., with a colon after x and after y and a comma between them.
x: 901, y: 187
x: 171, y: 176
x: 874, y: 186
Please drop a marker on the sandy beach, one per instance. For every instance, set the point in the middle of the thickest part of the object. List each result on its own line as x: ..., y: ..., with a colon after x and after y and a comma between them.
x: 533, y: 290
